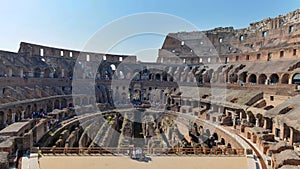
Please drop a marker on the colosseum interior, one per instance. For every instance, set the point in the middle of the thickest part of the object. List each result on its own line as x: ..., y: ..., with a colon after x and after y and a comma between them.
x: 222, y: 92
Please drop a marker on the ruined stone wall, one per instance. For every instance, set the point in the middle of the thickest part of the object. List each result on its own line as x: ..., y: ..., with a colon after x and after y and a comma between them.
x: 266, y: 40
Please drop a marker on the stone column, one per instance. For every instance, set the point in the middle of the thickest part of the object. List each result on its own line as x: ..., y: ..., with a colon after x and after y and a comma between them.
x: 22, y: 114
x: 233, y: 120
x: 4, y: 118
x: 248, y: 118
x: 21, y: 72
x: 42, y: 75
x: 62, y: 73
x: 13, y: 115
x: 267, y: 81
x: 290, y: 80
x: 257, y: 122
x: 291, y: 136
x: 265, y: 124
x: 282, y: 133
x: 9, y: 72
x: 219, y: 109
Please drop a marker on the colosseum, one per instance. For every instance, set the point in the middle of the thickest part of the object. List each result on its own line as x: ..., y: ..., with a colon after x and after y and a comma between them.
x: 224, y: 96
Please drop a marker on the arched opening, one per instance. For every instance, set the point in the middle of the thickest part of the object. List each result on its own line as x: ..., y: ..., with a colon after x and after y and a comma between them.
x: 64, y: 103
x: 252, y: 78
x: 296, y: 79
x: 274, y: 79
x: 207, y: 132
x: 56, y: 104
x: 228, y: 145
x: 157, y: 77
x: 216, y: 137
x: 9, y: 117
x: 49, y: 106
x: 242, y: 77
x: 164, y: 76
x: 77, y: 101
x: 233, y: 78
x: 47, y: 72
x: 34, y: 108
x: 150, y: 76
x: 262, y: 79
x: 222, y: 141
x: 113, y: 67
x: 251, y: 117
x: 37, y: 73
x: 2, y: 122
x: 28, y: 111
x: 285, y: 79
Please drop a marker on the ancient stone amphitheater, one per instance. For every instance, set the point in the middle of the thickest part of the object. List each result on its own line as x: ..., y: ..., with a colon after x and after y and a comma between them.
x: 222, y: 93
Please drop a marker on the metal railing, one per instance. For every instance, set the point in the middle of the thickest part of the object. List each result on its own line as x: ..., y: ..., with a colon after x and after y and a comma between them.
x: 152, y: 151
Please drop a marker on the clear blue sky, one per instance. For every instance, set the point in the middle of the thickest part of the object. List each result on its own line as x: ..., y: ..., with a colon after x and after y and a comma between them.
x: 70, y: 23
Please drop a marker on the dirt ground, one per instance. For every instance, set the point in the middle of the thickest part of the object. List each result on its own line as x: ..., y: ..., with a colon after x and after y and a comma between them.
x: 116, y: 162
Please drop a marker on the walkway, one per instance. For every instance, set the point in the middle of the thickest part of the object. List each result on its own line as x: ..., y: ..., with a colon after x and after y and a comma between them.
x: 252, y: 159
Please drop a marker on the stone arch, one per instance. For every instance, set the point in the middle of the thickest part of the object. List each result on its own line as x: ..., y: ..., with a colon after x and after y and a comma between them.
x: 259, y: 120
x: 19, y: 113
x: 262, y: 79
x: 151, y: 76
x: 49, y: 106
x: 285, y: 78
x: 77, y: 101
x: 165, y: 76
x: 157, y: 77
x: 9, y: 116
x: 47, y: 73
x: 233, y: 78
x: 37, y: 72
x: 64, y: 103
x: 250, y: 117
x: 28, y: 111
x: 34, y: 107
x: 2, y: 120
x: 243, y: 77
x: 296, y: 78
x: 223, y: 141
x: 252, y: 78
x: 216, y: 137
x: 207, y: 131
x: 274, y: 78
x: 70, y: 104
x: 57, y: 73
x: 56, y: 104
